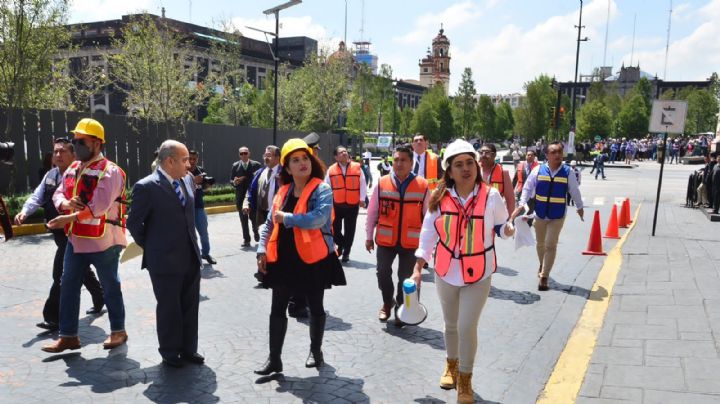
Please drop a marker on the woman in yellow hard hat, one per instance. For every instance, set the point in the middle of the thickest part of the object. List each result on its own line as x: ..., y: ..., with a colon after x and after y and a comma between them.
x: 296, y: 251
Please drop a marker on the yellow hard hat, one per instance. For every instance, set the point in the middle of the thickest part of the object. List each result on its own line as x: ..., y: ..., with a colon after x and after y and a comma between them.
x: 291, y: 146
x: 90, y: 127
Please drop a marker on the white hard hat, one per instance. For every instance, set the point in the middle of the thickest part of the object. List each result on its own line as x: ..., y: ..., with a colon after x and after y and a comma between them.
x: 459, y: 146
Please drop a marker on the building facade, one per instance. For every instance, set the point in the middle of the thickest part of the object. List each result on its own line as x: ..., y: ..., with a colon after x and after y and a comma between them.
x: 435, y: 66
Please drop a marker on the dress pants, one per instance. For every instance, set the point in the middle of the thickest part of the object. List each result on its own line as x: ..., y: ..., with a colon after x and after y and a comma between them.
x: 385, y: 258
x: 347, y: 215
x: 178, y: 300
x: 547, y: 232
x: 244, y: 221
x: 51, y: 310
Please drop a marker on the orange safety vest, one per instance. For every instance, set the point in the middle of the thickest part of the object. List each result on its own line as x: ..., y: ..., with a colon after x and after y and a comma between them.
x: 521, y: 174
x: 346, y: 188
x: 461, y: 231
x: 400, y: 218
x: 90, y: 176
x: 497, y: 180
x: 310, y: 243
x: 431, y: 169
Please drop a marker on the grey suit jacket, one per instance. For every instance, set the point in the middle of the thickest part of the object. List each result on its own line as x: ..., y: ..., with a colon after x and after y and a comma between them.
x: 162, y: 226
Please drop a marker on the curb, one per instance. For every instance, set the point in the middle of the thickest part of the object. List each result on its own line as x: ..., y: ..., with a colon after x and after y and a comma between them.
x: 39, y: 228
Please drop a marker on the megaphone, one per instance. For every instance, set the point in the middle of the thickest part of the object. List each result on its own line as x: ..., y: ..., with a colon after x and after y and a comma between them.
x: 412, y: 312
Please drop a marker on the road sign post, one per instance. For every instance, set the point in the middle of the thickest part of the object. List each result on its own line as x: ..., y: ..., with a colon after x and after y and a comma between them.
x: 667, y: 117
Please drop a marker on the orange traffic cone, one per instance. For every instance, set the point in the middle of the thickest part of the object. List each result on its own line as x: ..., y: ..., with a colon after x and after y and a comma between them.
x: 612, y: 227
x: 623, y: 220
x: 594, y: 246
x: 629, y: 211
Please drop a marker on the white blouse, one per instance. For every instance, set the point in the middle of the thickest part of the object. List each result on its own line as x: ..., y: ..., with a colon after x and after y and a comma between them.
x: 496, y: 214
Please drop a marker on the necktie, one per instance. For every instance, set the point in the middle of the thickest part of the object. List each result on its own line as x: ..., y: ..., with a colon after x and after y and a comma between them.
x: 179, y: 192
x: 264, y: 191
x: 417, y: 167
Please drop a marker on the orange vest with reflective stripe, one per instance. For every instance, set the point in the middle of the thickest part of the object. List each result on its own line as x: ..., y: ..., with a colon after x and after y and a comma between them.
x: 400, y: 219
x: 346, y: 188
x: 461, y: 231
x: 431, y: 169
x: 90, y: 176
x: 496, y: 179
x: 310, y: 243
x: 521, y: 174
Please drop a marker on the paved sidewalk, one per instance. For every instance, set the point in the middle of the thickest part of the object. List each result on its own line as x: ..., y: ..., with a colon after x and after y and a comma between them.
x: 660, y: 339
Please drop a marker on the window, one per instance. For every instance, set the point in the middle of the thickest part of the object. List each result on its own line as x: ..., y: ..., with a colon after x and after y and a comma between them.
x: 425, y: 69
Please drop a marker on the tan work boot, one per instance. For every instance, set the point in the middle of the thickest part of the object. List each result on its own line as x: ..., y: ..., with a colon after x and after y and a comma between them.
x: 62, y: 344
x: 449, y: 377
x: 464, y: 388
x: 115, y: 339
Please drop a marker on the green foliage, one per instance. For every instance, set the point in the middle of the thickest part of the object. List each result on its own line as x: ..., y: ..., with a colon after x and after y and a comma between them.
x: 504, y: 121
x: 32, y: 32
x: 151, y: 63
x: 425, y: 120
x: 644, y: 89
x: 465, y: 103
x: 532, y: 116
x: 446, y: 126
x: 702, y: 111
x: 362, y: 114
x: 262, y: 116
x: 234, y: 107
x: 406, y: 121
x: 593, y: 119
x: 485, y: 123
x: 633, y: 119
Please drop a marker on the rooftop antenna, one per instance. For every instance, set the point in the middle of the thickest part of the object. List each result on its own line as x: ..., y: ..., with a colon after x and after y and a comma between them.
x: 190, y: 11
x: 362, y: 22
x: 607, y: 28
x: 632, y: 51
x: 345, y: 36
x: 667, y: 42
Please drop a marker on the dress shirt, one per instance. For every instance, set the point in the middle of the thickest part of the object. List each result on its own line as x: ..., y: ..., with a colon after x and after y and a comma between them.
x: 104, y: 201
x: 38, y: 197
x: 271, y: 188
x: 373, y: 211
x: 531, y: 184
x: 496, y: 216
x: 363, y: 182
x: 421, y: 159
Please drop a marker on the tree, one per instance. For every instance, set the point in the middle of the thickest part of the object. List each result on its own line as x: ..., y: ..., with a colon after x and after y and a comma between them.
x: 156, y: 72
x: 32, y: 34
x: 406, y: 121
x: 594, y: 118
x: 643, y: 88
x: 425, y: 120
x: 234, y: 106
x: 504, y: 121
x: 262, y: 115
x: 633, y: 119
x: 446, y: 126
x: 532, y: 120
x: 362, y: 108
x: 702, y: 111
x: 465, y: 102
x: 485, y: 123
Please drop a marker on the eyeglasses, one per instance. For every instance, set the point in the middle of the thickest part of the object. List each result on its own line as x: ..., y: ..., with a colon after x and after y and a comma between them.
x: 244, y: 153
x: 481, y: 152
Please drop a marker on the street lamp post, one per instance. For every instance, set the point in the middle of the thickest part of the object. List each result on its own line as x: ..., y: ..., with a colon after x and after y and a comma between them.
x: 577, y: 60
x: 276, y: 10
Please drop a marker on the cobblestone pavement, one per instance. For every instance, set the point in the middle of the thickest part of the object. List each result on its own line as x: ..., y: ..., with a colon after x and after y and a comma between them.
x: 521, y: 331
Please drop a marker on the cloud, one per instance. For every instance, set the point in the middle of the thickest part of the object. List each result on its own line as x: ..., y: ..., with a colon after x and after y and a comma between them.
x: 454, y: 16
x: 83, y: 11
x: 289, y: 26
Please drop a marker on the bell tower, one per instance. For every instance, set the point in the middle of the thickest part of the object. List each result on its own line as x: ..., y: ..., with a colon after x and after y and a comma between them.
x: 435, y: 67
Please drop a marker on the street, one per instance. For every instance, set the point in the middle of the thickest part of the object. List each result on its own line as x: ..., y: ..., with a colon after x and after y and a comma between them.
x: 522, y: 331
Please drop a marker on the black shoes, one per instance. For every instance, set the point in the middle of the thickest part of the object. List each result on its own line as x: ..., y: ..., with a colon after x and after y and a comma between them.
x: 259, y: 276
x: 315, y: 358
x: 48, y: 325
x: 195, y: 358
x: 257, y: 237
x: 246, y: 243
x: 210, y: 259
x: 95, y: 311
x: 345, y: 258
x: 173, y: 361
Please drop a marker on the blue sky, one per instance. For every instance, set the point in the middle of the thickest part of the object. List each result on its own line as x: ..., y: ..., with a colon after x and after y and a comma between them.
x: 505, y: 42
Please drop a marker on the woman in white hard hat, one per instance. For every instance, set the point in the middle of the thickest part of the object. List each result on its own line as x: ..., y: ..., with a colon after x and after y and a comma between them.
x: 296, y: 251
x: 463, y: 218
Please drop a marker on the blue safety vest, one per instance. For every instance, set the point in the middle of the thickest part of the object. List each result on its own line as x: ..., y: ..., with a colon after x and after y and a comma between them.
x: 550, y: 192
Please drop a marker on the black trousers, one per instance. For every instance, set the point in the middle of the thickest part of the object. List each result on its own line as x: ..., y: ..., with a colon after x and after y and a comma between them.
x: 385, y: 258
x: 245, y: 221
x: 51, y: 310
x: 347, y: 215
x: 178, y: 301
x: 281, y: 297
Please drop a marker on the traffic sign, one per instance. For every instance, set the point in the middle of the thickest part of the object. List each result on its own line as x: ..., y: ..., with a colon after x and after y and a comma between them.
x: 668, y: 116
x: 598, y: 138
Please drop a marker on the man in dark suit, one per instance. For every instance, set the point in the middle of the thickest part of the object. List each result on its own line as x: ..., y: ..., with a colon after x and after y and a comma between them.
x: 241, y: 176
x: 162, y: 222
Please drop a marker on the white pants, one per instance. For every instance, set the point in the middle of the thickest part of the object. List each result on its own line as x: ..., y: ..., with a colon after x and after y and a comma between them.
x: 461, y: 306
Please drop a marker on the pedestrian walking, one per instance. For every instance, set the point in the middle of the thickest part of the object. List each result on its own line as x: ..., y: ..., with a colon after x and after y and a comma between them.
x: 394, y: 218
x: 495, y: 176
x: 296, y: 250
x: 201, y: 183
x: 522, y: 171
x: 63, y: 154
x: 349, y: 193
x: 464, y: 217
x: 548, y: 185
x: 600, y: 165
x: 425, y: 162
x: 91, y: 197
x: 384, y: 166
x: 162, y: 222
x: 241, y: 176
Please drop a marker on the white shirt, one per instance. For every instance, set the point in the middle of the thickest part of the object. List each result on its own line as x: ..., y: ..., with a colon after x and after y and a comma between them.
x: 171, y: 180
x: 363, y: 182
x: 271, y: 189
x: 530, y: 185
x: 421, y: 159
x: 367, y: 154
x: 495, y: 214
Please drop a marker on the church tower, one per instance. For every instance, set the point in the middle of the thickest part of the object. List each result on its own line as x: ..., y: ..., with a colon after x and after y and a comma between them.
x: 435, y: 66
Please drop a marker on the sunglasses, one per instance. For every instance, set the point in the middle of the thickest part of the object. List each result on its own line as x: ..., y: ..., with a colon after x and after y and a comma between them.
x: 81, y: 142
x: 244, y: 153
